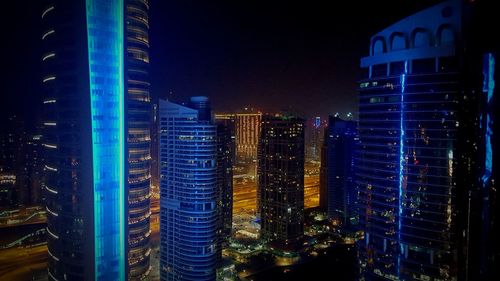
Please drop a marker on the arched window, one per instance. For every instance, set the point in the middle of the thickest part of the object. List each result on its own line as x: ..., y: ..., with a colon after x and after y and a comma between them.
x: 398, y: 41
x: 445, y: 35
x: 421, y: 38
x: 378, y: 45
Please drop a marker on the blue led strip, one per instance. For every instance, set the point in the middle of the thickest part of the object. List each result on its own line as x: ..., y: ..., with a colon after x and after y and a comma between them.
x: 105, y: 55
x: 402, y: 162
x: 488, y: 89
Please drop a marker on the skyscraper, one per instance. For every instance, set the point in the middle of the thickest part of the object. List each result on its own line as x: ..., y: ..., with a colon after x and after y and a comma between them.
x: 417, y: 163
x: 188, y: 186
x: 323, y: 172
x: 138, y: 137
x: 96, y: 121
x: 313, y: 138
x: 11, y: 144
x: 225, y: 159
x: 247, y: 135
x: 341, y: 190
x: 280, y: 169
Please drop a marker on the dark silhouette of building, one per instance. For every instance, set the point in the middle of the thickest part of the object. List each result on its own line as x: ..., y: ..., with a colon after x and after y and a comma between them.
x: 226, y: 145
x: 280, y: 170
x: 11, y: 140
x: 323, y: 172
x: 341, y: 190
x: 21, y: 166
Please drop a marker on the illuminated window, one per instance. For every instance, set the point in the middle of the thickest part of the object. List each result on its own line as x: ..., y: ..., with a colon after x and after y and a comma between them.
x: 48, y: 56
x: 50, y: 145
x: 47, y: 10
x: 52, y: 31
x: 49, y: 78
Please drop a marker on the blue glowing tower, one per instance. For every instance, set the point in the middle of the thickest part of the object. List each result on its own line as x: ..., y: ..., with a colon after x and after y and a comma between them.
x: 189, y: 192
x: 424, y: 168
x: 407, y: 157
x: 87, y: 120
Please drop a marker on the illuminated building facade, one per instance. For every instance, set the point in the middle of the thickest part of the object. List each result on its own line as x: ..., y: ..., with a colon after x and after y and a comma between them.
x: 21, y: 165
x: 314, y: 138
x: 280, y: 170
x: 247, y: 135
x: 155, y: 171
x: 423, y: 106
x: 139, y: 138
x: 10, y: 161
x: 96, y: 138
x: 189, y: 216
x: 341, y: 190
x: 226, y: 136
x: 323, y: 172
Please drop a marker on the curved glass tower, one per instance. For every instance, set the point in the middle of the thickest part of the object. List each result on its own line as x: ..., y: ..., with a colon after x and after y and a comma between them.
x: 189, y: 194
x: 97, y: 125
x: 85, y: 168
x: 409, y: 152
x: 138, y: 126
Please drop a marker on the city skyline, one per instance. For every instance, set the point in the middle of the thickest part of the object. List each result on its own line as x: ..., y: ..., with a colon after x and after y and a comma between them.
x: 270, y: 57
x: 157, y: 140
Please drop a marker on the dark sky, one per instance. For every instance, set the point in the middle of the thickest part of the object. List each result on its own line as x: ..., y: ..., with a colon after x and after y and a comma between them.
x: 269, y: 55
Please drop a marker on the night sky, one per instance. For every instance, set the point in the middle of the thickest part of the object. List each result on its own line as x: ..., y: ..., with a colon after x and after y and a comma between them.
x: 247, y: 53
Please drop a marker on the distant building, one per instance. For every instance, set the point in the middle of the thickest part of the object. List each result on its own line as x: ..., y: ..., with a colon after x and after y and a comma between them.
x: 323, y: 172
x: 280, y: 172
x: 225, y: 158
x: 189, y: 212
x: 11, y: 139
x: 32, y: 171
x: 341, y: 190
x: 247, y: 135
x: 155, y: 171
x: 313, y: 138
x: 21, y: 165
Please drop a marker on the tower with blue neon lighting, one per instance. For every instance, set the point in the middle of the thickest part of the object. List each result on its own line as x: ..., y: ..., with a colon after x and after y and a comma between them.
x: 407, y: 155
x: 422, y: 163
x: 96, y: 106
x: 189, y: 213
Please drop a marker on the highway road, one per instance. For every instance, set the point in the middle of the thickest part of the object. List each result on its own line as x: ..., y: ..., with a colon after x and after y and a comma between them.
x: 20, y: 263
x: 245, y: 195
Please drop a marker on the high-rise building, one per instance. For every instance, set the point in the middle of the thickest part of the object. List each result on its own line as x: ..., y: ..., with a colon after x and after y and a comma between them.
x: 247, y: 135
x: 225, y: 158
x: 189, y: 217
x: 323, y: 172
x: 341, y: 190
x: 280, y: 170
x: 138, y: 137
x: 11, y: 139
x: 32, y: 171
x: 20, y: 165
x: 313, y: 138
x: 418, y: 163
x: 96, y: 137
x: 155, y: 171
